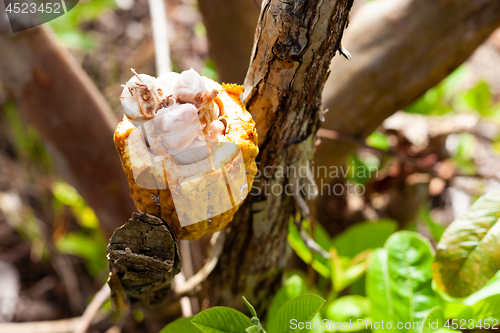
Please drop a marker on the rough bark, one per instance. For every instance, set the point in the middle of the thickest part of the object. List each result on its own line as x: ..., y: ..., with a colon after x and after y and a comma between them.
x: 295, y: 42
x: 61, y: 102
x: 400, y: 49
x: 144, y: 259
x: 230, y: 30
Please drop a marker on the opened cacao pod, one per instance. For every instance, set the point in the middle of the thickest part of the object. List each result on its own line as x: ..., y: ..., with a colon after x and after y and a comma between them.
x: 188, y: 148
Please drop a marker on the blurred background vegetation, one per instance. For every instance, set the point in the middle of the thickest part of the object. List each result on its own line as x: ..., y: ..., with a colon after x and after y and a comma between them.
x: 435, y: 158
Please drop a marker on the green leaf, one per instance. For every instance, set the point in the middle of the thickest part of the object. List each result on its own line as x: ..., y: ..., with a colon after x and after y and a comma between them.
x: 222, y: 320
x: 255, y: 329
x: 399, y: 280
x: 378, y: 140
x: 436, y: 229
x: 363, y: 236
x: 463, y: 157
x: 362, y: 167
x: 183, y: 325
x: 297, y: 244
x: 479, y: 98
x: 294, y: 286
x: 468, y: 254
x: 302, y: 308
x: 343, y: 275
x: 315, y: 260
x: 491, y: 289
x: 349, y: 308
x: 250, y: 307
x: 486, y: 311
x: 433, y: 321
x: 378, y: 288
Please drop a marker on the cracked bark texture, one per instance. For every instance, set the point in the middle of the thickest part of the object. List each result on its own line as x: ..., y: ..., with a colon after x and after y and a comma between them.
x: 56, y: 96
x: 295, y: 42
x: 144, y: 258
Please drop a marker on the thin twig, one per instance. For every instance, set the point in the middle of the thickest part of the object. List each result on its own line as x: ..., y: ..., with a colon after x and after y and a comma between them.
x: 306, y: 212
x: 217, y: 243
x: 334, y: 135
x: 180, y: 279
x: 158, y: 12
x: 308, y: 241
x: 312, y: 245
x: 92, y: 309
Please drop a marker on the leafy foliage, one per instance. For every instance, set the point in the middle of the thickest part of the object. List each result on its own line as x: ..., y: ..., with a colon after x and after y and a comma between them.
x: 227, y: 320
x: 399, y: 283
x: 221, y: 320
x: 468, y: 254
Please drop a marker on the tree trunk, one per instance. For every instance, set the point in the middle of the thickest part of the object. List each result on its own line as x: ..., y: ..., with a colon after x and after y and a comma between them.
x: 295, y: 42
x: 73, y: 119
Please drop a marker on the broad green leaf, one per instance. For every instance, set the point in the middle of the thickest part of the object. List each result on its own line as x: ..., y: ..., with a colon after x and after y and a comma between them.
x: 399, y: 281
x: 491, y: 289
x: 468, y: 254
x: 294, y: 286
x: 433, y: 321
x: 349, y: 309
x: 183, y: 325
x: 222, y: 320
x: 363, y: 236
x: 302, y: 308
x: 378, y: 288
x: 487, y: 309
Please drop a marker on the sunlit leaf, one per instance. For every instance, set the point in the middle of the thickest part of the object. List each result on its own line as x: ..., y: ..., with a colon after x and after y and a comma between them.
x: 183, y: 325
x: 399, y: 280
x: 221, y: 320
x: 378, y: 140
x: 302, y: 308
x: 363, y: 236
x: 433, y: 321
x: 468, y: 254
x: 349, y: 309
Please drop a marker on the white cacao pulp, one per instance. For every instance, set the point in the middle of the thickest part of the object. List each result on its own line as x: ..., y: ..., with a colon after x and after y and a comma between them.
x: 177, y: 114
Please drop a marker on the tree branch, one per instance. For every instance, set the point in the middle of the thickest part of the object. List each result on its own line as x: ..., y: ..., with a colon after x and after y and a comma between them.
x: 61, y: 102
x: 295, y: 41
x: 400, y: 49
